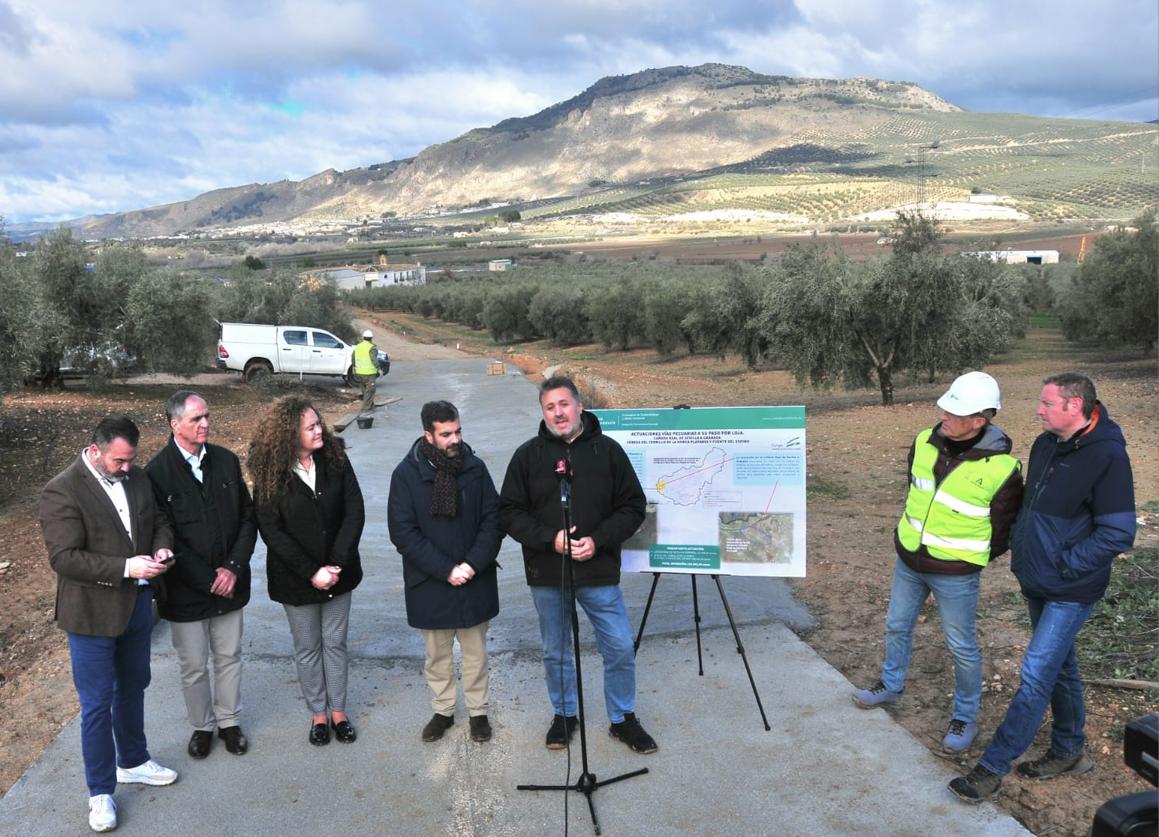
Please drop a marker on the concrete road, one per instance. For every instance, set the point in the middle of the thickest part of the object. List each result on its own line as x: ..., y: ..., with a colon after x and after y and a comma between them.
x: 824, y: 768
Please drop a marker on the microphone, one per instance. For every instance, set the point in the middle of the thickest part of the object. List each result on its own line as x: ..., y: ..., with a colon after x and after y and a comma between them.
x: 563, y: 474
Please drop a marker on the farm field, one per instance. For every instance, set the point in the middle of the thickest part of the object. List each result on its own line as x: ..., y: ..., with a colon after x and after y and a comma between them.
x: 1042, y: 169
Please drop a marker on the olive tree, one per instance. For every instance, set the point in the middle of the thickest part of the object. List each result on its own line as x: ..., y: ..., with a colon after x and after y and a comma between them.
x: 614, y: 310
x: 169, y: 324
x: 1114, y: 297
x: 557, y: 313
x: 920, y: 311
x: 19, y: 315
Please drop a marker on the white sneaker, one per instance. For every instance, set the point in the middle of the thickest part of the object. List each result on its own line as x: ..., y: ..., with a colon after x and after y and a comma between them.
x: 149, y: 773
x: 102, y: 812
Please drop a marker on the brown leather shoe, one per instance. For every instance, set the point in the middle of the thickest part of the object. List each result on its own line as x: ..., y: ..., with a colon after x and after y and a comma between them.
x: 200, y: 744
x: 235, y: 742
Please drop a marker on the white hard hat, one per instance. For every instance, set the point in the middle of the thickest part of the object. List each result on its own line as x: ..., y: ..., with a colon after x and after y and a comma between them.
x: 368, y: 333
x: 971, y: 393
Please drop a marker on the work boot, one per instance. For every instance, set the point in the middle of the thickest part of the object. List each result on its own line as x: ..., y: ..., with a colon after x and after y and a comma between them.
x: 1051, y: 764
x: 976, y: 786
x: 875, y: 696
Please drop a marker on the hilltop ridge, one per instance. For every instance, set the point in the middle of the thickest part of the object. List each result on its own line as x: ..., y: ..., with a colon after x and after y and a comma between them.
x: 673, y: 128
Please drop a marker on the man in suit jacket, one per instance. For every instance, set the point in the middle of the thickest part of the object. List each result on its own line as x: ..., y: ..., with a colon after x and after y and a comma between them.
x: 109, y: 548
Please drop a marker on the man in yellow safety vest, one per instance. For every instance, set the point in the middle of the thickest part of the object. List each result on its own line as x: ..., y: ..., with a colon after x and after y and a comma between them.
x: 366, y: 369
x: 964, y: 493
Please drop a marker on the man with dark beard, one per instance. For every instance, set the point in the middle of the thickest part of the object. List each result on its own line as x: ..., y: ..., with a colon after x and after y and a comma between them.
x: 443, y: 515
x: 110, y: 549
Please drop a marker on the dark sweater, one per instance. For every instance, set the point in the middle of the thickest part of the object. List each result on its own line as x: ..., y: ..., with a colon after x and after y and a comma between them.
x: 607, y: 503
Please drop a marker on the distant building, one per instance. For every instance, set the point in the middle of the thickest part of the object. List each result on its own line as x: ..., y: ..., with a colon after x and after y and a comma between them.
x: 1017, y: 256
x: 380, y: 275
x: 499, y: 265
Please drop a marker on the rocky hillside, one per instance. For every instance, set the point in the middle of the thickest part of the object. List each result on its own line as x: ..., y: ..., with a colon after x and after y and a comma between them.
x: 661, y: 123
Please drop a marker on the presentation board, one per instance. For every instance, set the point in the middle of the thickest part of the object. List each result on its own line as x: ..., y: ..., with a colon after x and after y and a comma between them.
x: 725, y: 488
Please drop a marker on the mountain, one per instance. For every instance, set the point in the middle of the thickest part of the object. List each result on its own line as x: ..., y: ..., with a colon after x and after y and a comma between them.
x: 678, y: 138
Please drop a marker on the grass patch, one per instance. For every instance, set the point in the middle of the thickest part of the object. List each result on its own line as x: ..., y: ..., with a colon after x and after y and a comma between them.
x: 1121, y: 639
x: 821, y: 487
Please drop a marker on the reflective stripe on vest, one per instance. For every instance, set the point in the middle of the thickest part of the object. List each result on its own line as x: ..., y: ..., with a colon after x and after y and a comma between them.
x: 952, y: 520
x: 363, y: 362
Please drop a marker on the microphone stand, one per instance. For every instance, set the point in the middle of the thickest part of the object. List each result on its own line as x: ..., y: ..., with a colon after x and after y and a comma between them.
x: 587, y: 784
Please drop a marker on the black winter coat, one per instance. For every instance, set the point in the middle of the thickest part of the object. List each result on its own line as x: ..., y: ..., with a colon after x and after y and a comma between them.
x: 213, y: 526
x: 306, y: 530
x: 607, y: 503
x: 432, y: 547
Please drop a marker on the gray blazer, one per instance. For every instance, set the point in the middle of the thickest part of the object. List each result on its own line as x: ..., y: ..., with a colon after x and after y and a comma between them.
x: 87, y: 548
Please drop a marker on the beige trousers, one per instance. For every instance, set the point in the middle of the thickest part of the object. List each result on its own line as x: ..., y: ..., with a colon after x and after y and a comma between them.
x: 439, y: 668
x: 220, y: 636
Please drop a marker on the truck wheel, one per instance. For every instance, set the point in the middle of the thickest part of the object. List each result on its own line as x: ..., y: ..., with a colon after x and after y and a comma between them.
x: 255, y: 373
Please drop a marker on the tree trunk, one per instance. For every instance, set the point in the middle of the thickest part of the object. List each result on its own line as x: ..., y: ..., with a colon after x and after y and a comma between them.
x: 886, y: 382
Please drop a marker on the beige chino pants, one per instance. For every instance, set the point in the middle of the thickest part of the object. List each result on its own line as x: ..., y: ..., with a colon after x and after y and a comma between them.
x: 439, y: 668
x: 209, y: 705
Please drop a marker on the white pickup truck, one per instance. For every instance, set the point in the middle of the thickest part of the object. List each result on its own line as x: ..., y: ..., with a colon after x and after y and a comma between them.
x: 258, y: 350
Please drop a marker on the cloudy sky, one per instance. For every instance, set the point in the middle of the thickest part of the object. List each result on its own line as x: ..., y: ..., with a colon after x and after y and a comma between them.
x: 122, y: 104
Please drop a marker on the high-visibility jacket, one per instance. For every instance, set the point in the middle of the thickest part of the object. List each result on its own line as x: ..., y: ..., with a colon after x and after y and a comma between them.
x: 952, y: 520
x: 364, y: 359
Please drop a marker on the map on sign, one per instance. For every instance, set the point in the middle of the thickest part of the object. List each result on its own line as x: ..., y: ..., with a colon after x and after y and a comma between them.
x: 686, y: 486
x: 725, y: 488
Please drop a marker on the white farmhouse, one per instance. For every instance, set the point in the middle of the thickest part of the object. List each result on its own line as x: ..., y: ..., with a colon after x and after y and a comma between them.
x: 380, y: 275
x: 1017, y: 256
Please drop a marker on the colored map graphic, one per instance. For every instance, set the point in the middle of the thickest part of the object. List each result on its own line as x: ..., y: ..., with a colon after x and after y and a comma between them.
x: 685, y: 486
x: 755, y: 537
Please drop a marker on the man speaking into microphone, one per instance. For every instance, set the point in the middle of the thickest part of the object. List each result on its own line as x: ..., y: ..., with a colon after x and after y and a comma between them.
x: 607, y: 507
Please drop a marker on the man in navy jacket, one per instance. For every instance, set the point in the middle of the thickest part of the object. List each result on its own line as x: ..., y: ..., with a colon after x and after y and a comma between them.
x: 1078, y: 513
x: 443, y: 515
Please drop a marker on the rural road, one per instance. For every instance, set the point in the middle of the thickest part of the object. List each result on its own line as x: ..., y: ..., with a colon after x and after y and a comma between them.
x: 824, y: 768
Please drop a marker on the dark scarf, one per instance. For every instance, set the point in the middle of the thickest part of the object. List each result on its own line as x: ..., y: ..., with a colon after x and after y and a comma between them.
x: 445, y: 495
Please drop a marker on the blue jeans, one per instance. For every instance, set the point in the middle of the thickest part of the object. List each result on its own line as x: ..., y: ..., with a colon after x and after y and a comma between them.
x: 604, y: 605
x: 1050, y: 677
x: 957, y: 598
x: 110, y: 674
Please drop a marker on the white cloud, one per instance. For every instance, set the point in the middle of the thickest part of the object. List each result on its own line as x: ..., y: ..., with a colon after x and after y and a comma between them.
x: 120, y: 104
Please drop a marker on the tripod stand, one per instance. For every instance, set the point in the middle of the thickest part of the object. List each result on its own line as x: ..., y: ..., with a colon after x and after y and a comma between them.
x: 587, y: 784
x: 696, y: 619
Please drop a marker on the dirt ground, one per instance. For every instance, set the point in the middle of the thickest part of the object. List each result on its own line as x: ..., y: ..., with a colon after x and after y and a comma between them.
x: 856, y: 467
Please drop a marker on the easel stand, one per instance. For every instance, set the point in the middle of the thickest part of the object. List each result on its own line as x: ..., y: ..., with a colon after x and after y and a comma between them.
x: 696, y: 619
x: 587, y: 784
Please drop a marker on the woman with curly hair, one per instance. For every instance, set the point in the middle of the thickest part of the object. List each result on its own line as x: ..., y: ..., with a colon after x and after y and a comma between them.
x: 309, y: 511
